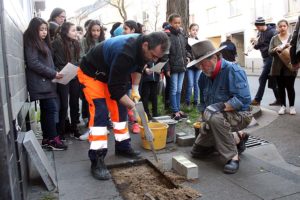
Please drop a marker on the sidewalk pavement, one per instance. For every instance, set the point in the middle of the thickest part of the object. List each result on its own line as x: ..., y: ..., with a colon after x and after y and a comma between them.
x: 263, y: 174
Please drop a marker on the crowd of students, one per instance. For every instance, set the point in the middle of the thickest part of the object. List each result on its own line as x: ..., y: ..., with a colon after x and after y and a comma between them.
x: 49, y: 46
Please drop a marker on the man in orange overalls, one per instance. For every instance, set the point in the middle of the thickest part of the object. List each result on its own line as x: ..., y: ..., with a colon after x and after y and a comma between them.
x: 104, y: 73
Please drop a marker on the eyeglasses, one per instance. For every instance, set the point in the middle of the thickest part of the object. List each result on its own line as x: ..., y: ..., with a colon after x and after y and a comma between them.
x: 154, y: 56
x: 62, y: 16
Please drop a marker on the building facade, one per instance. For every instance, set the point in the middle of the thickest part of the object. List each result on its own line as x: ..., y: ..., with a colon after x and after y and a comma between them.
x: 150, y: 13
x: 217, y: 18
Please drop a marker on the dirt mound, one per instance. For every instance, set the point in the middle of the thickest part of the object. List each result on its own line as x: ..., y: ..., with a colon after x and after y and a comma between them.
x: 144, y: 182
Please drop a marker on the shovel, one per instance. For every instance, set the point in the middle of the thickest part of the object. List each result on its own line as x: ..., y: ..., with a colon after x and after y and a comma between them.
x: 149, y: 136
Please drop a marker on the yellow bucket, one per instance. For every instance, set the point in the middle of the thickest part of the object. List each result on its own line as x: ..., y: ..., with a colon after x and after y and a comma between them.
x: 159, y: 131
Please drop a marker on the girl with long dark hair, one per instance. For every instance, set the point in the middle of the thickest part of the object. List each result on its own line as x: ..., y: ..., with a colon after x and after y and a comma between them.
x: 94, y: 35
x: 66, y: 49
x: 40, y: 71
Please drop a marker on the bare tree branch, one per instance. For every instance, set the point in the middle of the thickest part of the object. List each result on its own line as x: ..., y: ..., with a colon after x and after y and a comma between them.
x: 119, y: 4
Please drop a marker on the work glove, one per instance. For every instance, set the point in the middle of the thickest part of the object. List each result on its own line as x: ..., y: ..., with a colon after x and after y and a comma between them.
x: 135, y: 95
x: 212, y: 109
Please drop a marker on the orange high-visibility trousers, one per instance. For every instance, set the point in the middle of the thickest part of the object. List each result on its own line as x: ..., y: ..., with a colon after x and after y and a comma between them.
x: 100, y: 104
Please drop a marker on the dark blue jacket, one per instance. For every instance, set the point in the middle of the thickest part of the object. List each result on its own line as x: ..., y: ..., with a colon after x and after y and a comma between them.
x: 40, y: 71
x: 229, y: 52
x: 230, y: 85
x: 113, y: 60
x: 265, y: 39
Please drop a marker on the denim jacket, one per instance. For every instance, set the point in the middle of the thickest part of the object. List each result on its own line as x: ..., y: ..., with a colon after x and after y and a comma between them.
x: 230, y: 85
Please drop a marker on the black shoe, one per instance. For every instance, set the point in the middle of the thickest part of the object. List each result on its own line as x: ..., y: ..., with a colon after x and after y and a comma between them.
x: 176, y: 117
x: 183, y: 115
x: 99, y: 169
x: 201, y: 151
x: 241, y: 147
x: 275, y: 103
x: 129, y: 153
x: 231, y: 167
x: 56, y: 144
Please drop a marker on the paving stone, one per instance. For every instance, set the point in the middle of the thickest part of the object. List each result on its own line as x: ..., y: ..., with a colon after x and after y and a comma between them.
x: 291, y: 197
x: 40, y: 160
x: 185, y: 167
x: 86, y: 188
x: 268, y: 185
x: 187, y: 140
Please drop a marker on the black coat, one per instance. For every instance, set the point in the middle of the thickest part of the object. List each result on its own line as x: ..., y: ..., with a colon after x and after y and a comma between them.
x: 265, y: 39
x: 178, y: 53
x: 59, y: 54
x: 295, y: 44
x: 40, y: 71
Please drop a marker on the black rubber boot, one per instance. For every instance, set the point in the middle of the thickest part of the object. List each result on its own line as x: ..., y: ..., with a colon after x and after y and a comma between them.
x: 98, y: 167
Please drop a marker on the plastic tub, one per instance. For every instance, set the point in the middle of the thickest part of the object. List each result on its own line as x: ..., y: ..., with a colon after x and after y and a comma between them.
x: 159, y: 131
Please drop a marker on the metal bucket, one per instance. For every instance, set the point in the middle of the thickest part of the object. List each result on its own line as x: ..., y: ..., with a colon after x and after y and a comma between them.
x: 171, y: 130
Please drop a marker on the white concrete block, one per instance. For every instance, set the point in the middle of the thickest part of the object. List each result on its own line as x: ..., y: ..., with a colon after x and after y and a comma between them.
x: 187, y: 140
x: 180, y: 134
x: 185, y: 167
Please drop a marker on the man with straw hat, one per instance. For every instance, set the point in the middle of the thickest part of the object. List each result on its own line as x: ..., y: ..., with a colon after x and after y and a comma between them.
x: 224, y: 106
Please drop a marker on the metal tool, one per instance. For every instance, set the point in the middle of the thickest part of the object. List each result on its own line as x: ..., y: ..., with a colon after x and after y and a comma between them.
x: 148, y: 134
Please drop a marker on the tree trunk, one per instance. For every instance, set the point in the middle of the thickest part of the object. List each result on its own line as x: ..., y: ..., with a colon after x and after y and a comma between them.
x: 180, y: 7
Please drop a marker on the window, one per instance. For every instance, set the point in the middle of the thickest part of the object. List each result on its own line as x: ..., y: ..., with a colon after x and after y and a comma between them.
x: 263, y: 8
x: 234, y: 8
x: 145, y: 16
x: 211, y: 15
x: 293, y: 6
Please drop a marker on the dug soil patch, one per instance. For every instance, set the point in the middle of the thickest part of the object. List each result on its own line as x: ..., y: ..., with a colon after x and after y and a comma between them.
x: 143, y: 182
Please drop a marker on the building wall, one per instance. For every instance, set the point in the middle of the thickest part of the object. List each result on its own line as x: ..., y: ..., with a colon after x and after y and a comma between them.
x: 216, y: 18
x: 15, y: 16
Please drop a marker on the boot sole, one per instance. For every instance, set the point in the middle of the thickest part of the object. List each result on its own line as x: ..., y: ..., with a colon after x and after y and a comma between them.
x: 56, y: 149
x: 227, y: 171
x: 101, y: 178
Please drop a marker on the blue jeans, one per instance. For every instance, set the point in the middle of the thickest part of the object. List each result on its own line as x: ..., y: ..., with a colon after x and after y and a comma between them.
x: 175, y: 91
x: 193, y: 77
x: 263, y: 79
x: 48, y: 117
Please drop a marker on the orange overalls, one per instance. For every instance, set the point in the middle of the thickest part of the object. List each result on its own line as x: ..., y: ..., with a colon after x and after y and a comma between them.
x: 100, y: 103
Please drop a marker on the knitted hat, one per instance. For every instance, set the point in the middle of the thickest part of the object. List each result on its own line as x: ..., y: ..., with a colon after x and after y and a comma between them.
x: 260, y: 21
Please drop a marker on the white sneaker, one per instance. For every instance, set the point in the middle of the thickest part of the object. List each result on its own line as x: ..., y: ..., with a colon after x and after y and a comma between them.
x: 281, y: 110
x: 85, y: 136
x: 292, y: 110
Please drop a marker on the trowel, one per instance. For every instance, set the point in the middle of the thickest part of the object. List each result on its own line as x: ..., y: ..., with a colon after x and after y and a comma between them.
x: 148, y: 133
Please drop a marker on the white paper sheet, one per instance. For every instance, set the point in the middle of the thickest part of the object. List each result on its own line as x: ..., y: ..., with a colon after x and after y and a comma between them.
x: 69, y: 72
x: 157, y: 68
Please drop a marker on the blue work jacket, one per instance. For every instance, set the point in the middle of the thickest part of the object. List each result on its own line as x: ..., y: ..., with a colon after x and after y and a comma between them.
x: 230, y: 85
